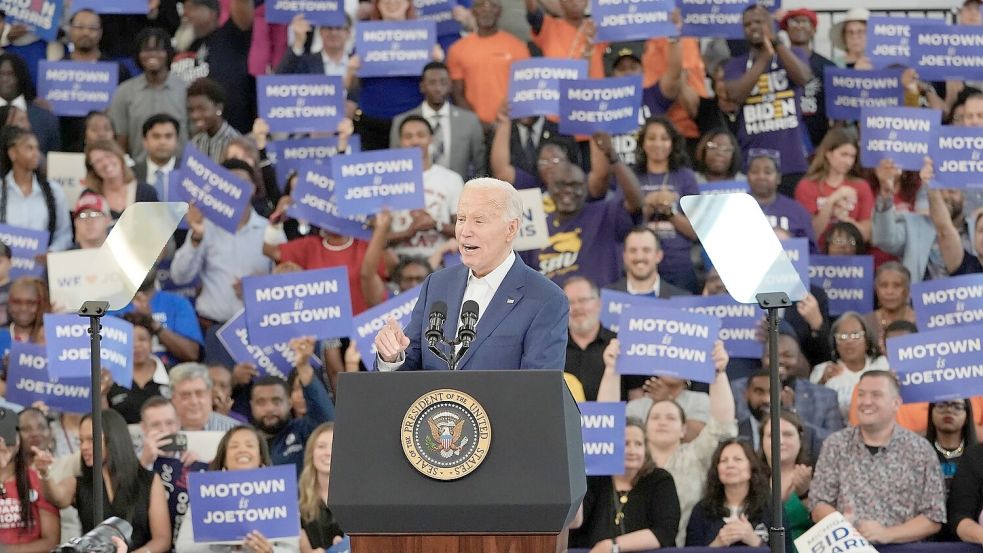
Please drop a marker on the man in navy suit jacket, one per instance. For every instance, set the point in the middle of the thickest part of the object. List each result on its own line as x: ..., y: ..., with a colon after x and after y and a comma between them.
x: 523, y: 316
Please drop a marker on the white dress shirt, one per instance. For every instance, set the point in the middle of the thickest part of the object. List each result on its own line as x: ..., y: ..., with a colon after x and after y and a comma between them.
x: 479, y: 289
x: 444, y: 116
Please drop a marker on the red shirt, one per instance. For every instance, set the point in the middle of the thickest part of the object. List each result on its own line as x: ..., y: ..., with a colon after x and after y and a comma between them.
x: 11, y: 532
x: 309, y: 252
x: 812, y: 195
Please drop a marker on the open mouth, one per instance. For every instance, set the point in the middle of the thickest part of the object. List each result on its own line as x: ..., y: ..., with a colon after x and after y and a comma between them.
x: 469, y: 248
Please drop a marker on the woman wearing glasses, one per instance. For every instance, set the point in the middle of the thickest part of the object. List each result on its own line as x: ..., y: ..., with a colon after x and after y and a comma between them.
x: 854, y: 351
x: 951, y: 430
x: 718, y: 157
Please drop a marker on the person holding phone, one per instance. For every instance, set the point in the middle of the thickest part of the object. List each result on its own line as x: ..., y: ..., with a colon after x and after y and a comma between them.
x: 30, y: 522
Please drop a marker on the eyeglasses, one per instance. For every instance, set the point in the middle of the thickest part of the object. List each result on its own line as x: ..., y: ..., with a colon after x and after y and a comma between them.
x: 91, y: 215
x: 843, y: 242
x: 951, y: 406
x: 23, y: 303
x: 722, y: 148
x: 93, y: 28
x: 850, y: 336
x: 549, y: 161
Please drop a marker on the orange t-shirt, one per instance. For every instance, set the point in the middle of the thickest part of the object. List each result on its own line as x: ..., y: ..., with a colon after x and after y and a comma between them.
x: 655, y: 61
x: 914, y: 416
x: 559, y: 39
x: 483, y: 63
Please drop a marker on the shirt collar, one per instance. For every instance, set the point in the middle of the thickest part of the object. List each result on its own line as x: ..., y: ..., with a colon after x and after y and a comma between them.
x: 430, y: 113
x: 494, y: 279
x: 655, y: 287
x: 859, y: 443
x: 153, y: 167
x: 18, y: 102
x: 35, y: 187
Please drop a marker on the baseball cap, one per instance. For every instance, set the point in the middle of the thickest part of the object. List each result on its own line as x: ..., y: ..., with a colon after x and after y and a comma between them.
x: 617, y: 50
x: 801, y: 12
x: 91, y: 202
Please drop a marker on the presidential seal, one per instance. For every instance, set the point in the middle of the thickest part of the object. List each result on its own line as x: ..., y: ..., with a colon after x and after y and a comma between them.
x: 446, y: 434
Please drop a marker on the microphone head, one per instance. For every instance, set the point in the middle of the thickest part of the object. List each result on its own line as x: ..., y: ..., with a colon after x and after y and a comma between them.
x: 440, y: 308
x: 470, y: 307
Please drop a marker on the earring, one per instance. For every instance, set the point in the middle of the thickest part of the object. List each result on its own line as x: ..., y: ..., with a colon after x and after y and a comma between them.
x: 219, y: 113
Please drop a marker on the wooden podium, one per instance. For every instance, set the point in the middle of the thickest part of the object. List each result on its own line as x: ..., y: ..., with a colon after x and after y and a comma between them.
x: 519, y: 498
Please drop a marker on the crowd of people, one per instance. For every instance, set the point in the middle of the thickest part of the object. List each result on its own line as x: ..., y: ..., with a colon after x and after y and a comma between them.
x: 695, y: 470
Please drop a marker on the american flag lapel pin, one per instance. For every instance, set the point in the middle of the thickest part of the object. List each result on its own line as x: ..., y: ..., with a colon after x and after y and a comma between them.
x: 510, y: 301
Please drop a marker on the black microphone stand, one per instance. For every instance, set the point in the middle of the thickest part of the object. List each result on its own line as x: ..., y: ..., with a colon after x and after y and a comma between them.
x: 455, y: 354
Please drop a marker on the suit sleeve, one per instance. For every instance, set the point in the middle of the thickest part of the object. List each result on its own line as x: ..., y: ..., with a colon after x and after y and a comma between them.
x: 545, y: 343
x: 290, y: 63
x: 413, y: 356
x: 479, y: 154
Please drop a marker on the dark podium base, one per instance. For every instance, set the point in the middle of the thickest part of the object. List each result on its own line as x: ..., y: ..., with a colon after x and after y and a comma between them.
x: 472, y: 543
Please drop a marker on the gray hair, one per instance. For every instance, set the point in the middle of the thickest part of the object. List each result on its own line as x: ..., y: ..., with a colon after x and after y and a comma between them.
x: 183, y: 372
x: 511, y: 206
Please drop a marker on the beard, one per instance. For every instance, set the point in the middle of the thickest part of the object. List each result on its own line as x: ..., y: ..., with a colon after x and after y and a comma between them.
x: 760, y: 411
x: 273, y: 428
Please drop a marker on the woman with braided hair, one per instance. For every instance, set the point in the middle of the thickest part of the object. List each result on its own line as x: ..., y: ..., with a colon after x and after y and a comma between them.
x: 28, y: 200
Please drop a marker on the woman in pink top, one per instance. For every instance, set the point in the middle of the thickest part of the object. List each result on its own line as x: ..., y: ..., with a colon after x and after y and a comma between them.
x: 832, y: 189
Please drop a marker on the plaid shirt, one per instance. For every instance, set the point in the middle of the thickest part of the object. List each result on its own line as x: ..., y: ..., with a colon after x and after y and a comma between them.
x: 901, y: 481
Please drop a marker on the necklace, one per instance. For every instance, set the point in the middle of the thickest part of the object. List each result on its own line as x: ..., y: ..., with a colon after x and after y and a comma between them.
x: 339, y: 247
x: 950, y: 453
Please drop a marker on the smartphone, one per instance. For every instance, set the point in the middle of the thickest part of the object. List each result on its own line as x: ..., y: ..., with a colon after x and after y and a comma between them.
x: 179, y: 443
x: 8, y: 427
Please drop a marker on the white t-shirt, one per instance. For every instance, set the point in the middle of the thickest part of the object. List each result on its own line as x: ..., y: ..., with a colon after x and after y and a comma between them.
x: 441, y: 190
x: 844, y: 382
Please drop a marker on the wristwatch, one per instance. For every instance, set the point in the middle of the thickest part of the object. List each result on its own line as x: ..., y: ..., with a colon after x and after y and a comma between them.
x: 615, y: 548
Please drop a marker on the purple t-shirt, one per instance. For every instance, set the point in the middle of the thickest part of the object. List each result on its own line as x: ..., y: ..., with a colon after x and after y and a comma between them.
x: 789, y: 215
x: 589, y: 244
x: 770, y: 118
x: 654, y: 103
x: 524, y: 180
x: 675, y: 246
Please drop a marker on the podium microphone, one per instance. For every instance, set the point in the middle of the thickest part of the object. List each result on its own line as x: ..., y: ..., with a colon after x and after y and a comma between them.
x: 469, y: 320
x: 435, y: 327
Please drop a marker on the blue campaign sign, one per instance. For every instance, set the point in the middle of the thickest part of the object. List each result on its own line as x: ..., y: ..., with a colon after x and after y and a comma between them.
x: 368, y: 182
x: 899, y: 134
x: 947, y: 52
x: 368, y: 323
x: 618, y: 20
x: 221, y: 196
x: 889, y: 39
x: 613, y: 302
x: 329, y: 13
x: 797, y: 250
x: 848, y: 91
x: 956, y: 156
x: 227, y: 505
x: 534, y: 85
x: 938, y: 365
x: 394, y: 48
x: 441, y: 12
x: 713, y: 18
x: 603, y: 428
x: 667, y: 341
x: 25, y: 245
x: 725, y: 187
x: 75, y: 88
x: 274, y: 360
x: 608, y: 105
x: 67, y: 345
x: 41, y: 17
x: 300, y: 103
x: 309, y: 303
x: 28, y: 381
x: 948, y: 302
x: 847, y: 279
x: 290, y: 155
x: 313, y: 201
x: 738, y: 321
x: 115, y: 7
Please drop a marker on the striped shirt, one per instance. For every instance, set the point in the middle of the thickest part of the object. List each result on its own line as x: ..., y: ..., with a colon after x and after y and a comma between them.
x: 214, y: 146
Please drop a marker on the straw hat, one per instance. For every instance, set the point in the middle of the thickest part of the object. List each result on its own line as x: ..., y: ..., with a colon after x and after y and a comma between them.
x: 836, y: 32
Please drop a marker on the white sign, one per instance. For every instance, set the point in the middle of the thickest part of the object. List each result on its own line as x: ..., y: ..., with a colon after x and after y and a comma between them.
x: 833, y: 533
x: 533, y: 232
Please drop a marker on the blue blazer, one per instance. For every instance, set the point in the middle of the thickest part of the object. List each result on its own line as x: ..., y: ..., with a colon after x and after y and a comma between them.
x: 524, y: 326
